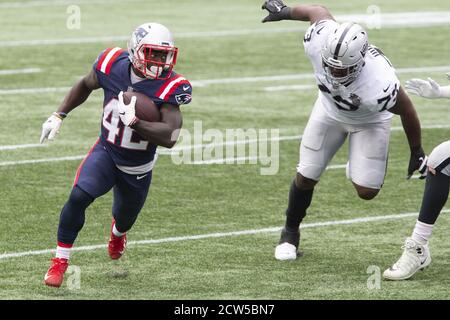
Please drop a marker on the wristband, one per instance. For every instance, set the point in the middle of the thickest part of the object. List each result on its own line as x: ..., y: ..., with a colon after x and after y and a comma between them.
x: 60, y: 115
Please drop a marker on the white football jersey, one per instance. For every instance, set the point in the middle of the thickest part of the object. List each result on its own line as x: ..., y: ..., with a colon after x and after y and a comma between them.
x: 365, y: 100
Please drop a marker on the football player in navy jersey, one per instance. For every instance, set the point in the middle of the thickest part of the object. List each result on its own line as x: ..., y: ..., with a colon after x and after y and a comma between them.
x: 123, y: 157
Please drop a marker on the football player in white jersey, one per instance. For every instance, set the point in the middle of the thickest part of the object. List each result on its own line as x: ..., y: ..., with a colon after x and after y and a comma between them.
x: 416, y: 254
x: 358, y: 94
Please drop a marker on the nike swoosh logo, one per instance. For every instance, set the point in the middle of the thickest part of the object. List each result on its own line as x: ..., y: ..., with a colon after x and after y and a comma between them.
x: 141, y: 177
x: 46, y: 277
x: 122, y: 113
x: 318, y: 31
x: 384, y: 90
x: 186, y: 87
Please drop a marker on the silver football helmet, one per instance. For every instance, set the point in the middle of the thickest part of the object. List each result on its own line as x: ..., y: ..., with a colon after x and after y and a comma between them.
x: 343, y: 53
x: 152, y: 50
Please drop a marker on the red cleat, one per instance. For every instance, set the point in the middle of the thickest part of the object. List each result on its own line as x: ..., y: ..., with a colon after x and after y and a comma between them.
x: 55, y: 274
x: 116, y: 245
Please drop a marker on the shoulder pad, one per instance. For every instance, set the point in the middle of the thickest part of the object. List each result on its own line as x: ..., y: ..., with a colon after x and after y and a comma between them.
x: 106, y: 59
x: 176, y: 90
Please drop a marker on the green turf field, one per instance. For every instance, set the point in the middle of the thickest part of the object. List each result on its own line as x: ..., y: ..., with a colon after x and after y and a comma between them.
x: 217, y: 40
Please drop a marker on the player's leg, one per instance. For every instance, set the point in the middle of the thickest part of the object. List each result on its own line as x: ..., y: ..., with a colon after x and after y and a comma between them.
x: 321, y: 140
x: 416, y: 254
x: 368, y: 154
x: 95, y: 176
x: 130, y: 194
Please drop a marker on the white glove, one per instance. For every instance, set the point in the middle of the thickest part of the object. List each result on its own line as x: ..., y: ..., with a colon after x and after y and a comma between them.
x: 127, y: 112
x: 50, y: 128
x: 428, y: 89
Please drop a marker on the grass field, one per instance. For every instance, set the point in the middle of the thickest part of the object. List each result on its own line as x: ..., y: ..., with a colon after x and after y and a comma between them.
x: 217, y: 40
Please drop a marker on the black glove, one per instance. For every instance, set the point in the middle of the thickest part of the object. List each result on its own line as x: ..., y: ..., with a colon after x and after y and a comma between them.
x: 277, y: 11
x: 417, y: 161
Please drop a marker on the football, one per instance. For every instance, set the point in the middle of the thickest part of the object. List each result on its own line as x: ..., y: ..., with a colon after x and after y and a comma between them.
x: 145, y: 108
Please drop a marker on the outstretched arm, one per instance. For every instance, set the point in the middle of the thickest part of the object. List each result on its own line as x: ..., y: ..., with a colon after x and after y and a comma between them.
x: 428, y: 89
x: 79, y: 92
x: 76, y: 96
x: 279, y: 11
x: 411, y: 124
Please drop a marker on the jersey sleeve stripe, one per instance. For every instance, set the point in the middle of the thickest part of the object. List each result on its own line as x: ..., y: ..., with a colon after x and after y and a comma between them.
x: 113, y: 58
x: 175, y: 87
x: 102, y: 58
x: 109, y: 59
x: 166, y: 84
x: 171, y: 87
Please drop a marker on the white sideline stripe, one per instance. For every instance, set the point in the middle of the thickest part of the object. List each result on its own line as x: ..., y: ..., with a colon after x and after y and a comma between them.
x: 222, y: 234
x: 198, y: 146
x: 388, y: 20
x: 204, y: 83
x: 20, y: 71
x: 22, y: 146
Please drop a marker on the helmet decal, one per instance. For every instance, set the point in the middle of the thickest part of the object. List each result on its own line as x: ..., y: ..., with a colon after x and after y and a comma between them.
x: 140, y: 33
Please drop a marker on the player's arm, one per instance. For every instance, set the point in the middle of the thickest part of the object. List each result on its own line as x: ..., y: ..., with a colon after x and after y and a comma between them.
x: 76, y: 96
x: 79, y: 92
x: 164, y: 133
x: 411, y: 125
x: 427, y: 88
x: 279, y: 11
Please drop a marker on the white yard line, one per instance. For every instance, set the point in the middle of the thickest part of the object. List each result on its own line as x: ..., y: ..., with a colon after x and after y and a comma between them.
x: 224, y: 160
x: 58, y: 159
x: 201, y: 146
x: 294, y: 87
x: 207, y: 82
x: 33, y: 90
x: 19, y: 71
x: 222, y: 234
x: 22, y: 146
x: 45, y: 3
x: 387, y: 21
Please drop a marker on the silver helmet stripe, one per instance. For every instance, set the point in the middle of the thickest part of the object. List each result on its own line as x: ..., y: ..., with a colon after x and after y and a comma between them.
x: 341, y: 39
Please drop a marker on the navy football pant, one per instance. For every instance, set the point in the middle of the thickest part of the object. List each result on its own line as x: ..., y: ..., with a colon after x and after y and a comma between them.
x: 96, y: 176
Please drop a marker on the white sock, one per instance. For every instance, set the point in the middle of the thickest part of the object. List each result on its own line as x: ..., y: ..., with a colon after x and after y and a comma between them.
x: 63, y: 252
x: 116, y: 232
x: 422, y: 232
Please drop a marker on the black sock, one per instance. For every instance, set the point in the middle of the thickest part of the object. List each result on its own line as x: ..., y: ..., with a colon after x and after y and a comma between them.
x: 434, y: 197
x: 299, y: 201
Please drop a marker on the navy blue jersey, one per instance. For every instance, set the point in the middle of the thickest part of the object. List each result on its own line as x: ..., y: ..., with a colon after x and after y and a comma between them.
x: 125, y: 145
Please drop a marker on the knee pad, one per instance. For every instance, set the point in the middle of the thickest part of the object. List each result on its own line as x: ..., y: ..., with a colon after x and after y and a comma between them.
x: 439, y: 158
